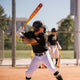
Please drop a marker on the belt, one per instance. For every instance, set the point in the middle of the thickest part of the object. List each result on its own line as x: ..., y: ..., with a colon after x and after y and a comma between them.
x: 39, y: 54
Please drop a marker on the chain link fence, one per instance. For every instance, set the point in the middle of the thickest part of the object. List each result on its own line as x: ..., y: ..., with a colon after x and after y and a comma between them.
x: 23, y: 50
x: 66, y: 40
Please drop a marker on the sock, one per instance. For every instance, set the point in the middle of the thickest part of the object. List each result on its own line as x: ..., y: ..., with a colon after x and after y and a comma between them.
x: 56, y: 61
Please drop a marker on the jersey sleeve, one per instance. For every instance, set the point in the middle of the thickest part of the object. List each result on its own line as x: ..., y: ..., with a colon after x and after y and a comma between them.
x: 49, y: 38
x: 29, y: 35
x: 57, y: 39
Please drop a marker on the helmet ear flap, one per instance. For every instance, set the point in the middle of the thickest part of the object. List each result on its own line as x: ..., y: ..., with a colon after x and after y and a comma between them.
x: 44, y: 30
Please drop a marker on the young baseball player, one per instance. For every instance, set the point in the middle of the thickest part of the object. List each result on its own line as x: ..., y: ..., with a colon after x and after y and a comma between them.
x: 41, y: 54
x: 54, y: 45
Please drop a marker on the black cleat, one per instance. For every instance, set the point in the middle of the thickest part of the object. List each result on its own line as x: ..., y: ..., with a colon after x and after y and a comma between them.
x: 28, y: 78
x: 58, y: 76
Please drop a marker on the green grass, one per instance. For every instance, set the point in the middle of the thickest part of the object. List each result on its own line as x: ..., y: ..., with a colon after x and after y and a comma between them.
x: 65, y: 54
x: 19, y: 54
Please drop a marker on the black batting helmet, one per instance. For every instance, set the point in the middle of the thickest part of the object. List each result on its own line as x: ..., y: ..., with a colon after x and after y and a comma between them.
x: 53, y: 30
x: 37, y: 24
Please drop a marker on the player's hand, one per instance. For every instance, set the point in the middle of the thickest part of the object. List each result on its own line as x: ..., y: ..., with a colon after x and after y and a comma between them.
x: 20, y: 29
x: 19, y: 34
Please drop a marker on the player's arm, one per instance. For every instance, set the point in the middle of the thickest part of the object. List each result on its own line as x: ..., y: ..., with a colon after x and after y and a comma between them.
x: 30, y: 41
x: 58, y: 45
x: 48, y: 41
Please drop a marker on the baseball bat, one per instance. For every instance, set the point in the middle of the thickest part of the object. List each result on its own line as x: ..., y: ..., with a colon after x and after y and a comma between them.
x: 33, y: 13
x: 59, y: 57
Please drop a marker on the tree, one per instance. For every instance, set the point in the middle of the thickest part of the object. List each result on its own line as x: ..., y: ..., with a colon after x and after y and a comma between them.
x: 3, y: 20
x: 66, y: 39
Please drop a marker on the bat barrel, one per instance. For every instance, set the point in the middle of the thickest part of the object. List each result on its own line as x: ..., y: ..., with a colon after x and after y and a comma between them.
x: 34, y: 13
x: 40, y: 4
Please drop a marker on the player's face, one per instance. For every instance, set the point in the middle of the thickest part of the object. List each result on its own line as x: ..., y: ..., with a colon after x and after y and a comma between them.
x: 41, y: 30
x: 35, y: 29
x: 54, y: 33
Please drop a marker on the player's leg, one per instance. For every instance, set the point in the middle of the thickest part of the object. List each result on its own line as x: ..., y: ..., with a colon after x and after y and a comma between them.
x: 33, y: 66
x: 52, y: 52
x: 46, y: 60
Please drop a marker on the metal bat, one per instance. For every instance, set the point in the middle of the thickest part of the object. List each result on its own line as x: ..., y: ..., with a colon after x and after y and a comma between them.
x: 33, y: 14
x: 59, y: 57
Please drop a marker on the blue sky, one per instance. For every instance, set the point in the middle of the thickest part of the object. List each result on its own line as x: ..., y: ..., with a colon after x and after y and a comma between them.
x: 51, y: 12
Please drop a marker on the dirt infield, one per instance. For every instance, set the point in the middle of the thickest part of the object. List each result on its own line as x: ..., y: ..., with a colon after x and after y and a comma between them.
x: 18, y: 73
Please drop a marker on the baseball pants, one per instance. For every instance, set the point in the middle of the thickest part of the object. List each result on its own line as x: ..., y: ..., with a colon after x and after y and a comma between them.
x: 36, y: 62
x: 54, y: 51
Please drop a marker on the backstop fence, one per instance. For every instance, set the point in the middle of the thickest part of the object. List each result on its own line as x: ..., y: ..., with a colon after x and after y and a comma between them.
x: 24, y: 50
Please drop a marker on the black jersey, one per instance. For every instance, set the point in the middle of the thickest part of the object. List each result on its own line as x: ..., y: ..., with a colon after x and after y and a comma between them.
x: 40, y: 46
x: 52, y: 39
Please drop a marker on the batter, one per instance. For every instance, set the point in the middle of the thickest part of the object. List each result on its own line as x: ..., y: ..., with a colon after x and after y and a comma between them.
x: 41, y: 54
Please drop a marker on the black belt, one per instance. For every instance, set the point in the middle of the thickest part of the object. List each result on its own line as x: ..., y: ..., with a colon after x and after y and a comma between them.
x: 40, y: 54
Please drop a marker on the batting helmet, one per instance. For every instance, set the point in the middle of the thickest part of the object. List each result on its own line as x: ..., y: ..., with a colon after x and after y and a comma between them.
x: 37, y: 25
x: 53, y: 30
x: 44, y: 29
